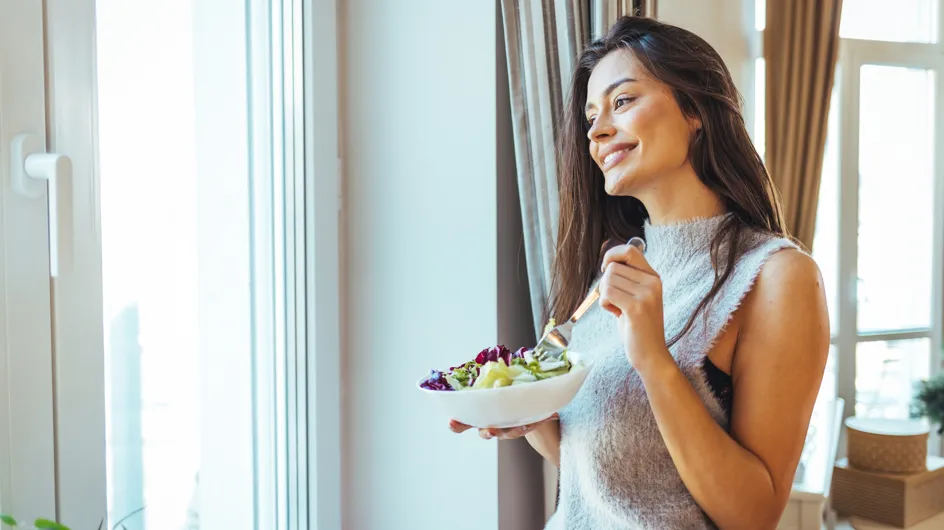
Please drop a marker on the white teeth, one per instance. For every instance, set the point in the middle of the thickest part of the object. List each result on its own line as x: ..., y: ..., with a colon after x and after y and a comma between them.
x: 611, y: 156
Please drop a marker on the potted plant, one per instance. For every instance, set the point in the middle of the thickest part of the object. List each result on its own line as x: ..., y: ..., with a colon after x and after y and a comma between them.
x: 929, y: 401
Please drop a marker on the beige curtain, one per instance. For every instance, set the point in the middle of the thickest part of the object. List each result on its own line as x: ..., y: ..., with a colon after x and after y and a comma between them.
x: 801, y: 46
x: 542, y: 39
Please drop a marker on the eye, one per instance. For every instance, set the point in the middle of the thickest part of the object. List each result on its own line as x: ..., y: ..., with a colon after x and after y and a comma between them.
x: 624, y: 100
x: 590, y: 120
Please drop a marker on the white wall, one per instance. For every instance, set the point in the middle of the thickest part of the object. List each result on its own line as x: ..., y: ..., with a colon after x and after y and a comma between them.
x: 420, y: 237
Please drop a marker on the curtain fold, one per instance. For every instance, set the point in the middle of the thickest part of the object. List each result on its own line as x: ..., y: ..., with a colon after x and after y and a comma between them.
x: 801, y: 47
x: 542, y: 39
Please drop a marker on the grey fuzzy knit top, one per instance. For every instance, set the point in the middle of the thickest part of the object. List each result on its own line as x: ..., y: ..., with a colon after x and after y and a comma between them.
x: 616, y: 472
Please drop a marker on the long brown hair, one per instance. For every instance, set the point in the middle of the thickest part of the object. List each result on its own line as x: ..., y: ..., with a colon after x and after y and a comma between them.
x: 721, y: 154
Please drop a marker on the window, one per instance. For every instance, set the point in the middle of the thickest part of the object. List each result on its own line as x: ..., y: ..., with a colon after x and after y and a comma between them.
x: 879, y: 225
x: 150, y: 266
x: 168, y: 362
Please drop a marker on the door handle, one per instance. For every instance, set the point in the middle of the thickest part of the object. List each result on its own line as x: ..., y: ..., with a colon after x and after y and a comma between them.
x: 34, y: 171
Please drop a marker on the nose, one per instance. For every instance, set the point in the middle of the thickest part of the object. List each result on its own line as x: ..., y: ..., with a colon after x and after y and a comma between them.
x: 602, y: 128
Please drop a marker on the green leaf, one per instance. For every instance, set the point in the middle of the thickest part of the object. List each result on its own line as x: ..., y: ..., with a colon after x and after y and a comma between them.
x: 929, y: 400
x: 8, y: 519
x: 46, y: 524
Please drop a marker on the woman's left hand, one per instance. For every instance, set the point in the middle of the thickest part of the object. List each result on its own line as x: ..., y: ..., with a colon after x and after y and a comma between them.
x: 632, y: 290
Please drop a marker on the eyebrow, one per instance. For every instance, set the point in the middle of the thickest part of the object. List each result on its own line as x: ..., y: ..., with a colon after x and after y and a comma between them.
x: 609, y: 89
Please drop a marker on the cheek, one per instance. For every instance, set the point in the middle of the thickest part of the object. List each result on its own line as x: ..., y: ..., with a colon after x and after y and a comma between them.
x: 666, y: 139
x: 642, y: 122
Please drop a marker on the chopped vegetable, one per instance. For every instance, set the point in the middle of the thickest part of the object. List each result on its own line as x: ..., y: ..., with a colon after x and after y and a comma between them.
x: 497, y: 367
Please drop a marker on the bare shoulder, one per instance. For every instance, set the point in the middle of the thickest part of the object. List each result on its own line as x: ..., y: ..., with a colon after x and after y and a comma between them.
x: 787, y: 297
x: 788, y: 277
x: 790, y: 266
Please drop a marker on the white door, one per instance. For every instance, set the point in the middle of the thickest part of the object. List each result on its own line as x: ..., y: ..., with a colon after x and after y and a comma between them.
x: 156, y: 316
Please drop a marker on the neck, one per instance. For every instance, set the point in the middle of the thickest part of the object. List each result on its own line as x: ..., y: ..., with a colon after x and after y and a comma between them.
x: 679, y: 196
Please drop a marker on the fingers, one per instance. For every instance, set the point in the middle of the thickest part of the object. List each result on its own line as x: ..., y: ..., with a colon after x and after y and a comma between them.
x: 627, y: 255
x: 506, y: 434
x: 502, y: 434
x: 617, y: 271
x: 457, y: 427
x: 616, y: 290
x: 624, y: 288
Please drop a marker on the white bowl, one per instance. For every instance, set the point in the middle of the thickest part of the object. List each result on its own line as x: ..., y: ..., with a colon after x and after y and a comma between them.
x: 510, y: 406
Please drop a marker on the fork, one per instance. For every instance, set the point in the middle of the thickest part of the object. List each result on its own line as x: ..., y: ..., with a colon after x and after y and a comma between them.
x: 553, y: 344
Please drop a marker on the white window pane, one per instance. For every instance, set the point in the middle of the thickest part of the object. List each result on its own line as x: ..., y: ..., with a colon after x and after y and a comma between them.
x: 898, y: 21
x: 826, y: 238
x: 828, y: 390
x: 161, y: 268
x: 896, y: 185
x: 886, y: 374
x: 760, y: 106
x: 760, y: 14
x: 149, y: 262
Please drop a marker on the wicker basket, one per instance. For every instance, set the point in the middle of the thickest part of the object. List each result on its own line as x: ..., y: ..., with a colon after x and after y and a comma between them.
x: 893, y: 499
x: 887, y: 446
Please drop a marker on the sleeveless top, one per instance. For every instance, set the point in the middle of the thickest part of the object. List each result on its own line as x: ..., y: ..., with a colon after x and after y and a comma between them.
x: 615, y: 470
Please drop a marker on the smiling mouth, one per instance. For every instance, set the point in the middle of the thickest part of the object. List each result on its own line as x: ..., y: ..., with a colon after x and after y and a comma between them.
x: 617, y: 156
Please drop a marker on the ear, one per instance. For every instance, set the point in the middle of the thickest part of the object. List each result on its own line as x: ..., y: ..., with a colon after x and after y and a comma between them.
x: 695, y: 124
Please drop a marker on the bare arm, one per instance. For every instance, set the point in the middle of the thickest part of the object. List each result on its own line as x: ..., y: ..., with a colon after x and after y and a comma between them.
x: 545, y: 439
x: 743, y: 480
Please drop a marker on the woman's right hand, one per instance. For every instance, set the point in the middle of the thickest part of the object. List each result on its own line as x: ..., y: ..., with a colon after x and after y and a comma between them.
x: 502, y: 434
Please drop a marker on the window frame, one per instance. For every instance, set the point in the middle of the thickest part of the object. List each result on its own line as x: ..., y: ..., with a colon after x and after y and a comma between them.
x: 323, y: 259
x: 854, y: 53
x: 78, y: 334
x: 27, y: 405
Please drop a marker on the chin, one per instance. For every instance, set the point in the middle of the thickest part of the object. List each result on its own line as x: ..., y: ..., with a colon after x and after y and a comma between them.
x: 619, y: 185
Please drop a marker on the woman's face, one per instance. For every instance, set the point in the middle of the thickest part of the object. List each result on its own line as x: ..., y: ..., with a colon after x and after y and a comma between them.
x: 637, y: 132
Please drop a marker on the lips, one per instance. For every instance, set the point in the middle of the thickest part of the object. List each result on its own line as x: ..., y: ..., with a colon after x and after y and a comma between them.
x: 615, y: 154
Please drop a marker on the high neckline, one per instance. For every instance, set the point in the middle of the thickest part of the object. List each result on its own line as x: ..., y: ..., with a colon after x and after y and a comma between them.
x: 681, y: 240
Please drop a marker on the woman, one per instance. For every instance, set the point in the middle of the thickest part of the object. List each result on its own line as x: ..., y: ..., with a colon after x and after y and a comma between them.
x: 708, y: 348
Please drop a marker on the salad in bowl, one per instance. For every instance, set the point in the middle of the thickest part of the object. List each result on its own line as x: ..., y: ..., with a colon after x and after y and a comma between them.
x: 498, y: 367
x: 502, y: 389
